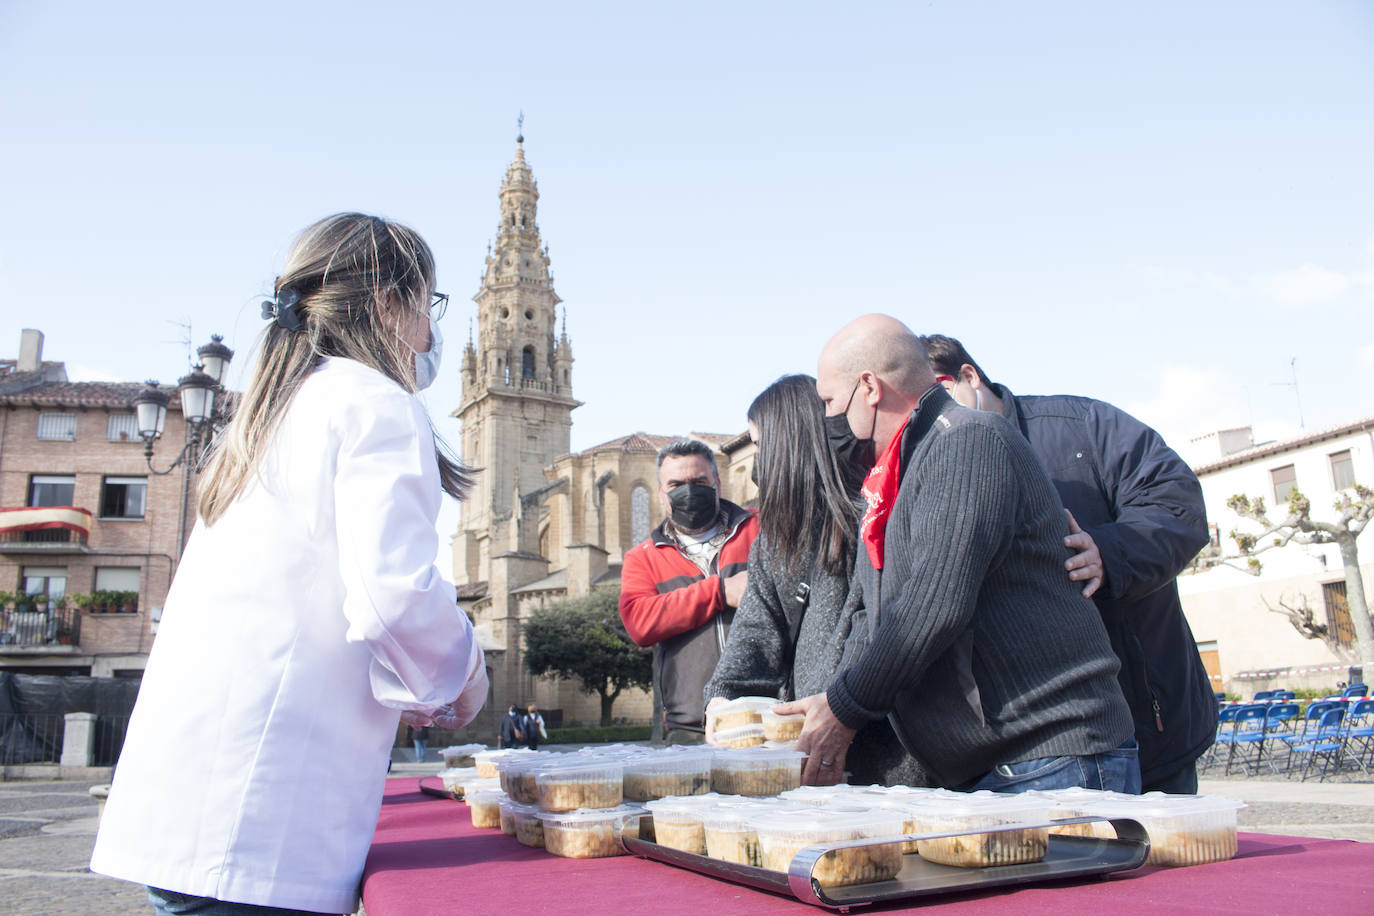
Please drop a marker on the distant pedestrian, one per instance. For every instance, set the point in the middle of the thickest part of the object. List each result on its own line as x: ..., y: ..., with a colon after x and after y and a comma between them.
x: 419, y: 736
x: 534, y: 727
x: 512, y: 729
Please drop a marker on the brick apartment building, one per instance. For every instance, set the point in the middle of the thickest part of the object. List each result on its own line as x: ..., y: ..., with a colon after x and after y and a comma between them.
x: 82, y: 514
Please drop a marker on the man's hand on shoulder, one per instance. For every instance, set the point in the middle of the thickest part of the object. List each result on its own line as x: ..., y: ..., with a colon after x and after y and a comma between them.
x: 734, y: 588
x: 1086, y: 565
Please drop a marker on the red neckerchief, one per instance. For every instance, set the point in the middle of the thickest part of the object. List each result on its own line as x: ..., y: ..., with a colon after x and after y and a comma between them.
x: 880, y: 491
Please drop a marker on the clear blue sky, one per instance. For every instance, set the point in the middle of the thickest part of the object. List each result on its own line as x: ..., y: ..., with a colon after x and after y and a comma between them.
x: 1160, y: 205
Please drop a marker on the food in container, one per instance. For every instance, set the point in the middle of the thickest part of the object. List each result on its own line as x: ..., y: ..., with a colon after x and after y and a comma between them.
x: 659, y: 775
x: 750, y: 735
x: 592, y: 784
x: 455, y: 778
x: 743, y: 711
x: 508, y: 816
x: 518, y: 775
x: 529, y: 829
x: 728, y: 833
x: 756, y: 771
x: 978, y: 811
x: 1183, y: 829
x: 782, y: 834
x: 678, y: 821
x: 586, y: 834
x: 485, y: 807
x: 461, y: 755
x: 487, y: 761
x: 1070, y: 802
x: 781, y: 728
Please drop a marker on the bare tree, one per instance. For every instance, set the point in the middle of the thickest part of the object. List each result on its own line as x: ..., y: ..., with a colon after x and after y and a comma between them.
x: 1354, y: 508
x: 1300, y: 615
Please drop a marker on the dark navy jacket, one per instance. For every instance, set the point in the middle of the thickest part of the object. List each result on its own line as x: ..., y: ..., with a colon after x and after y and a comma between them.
x: 1143, y: 506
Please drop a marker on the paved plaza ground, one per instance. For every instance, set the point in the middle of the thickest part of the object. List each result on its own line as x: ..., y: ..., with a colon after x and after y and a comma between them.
x: 47, y: 829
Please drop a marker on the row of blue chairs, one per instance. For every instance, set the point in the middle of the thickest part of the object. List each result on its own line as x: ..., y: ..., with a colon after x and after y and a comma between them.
x: 1332, y: 734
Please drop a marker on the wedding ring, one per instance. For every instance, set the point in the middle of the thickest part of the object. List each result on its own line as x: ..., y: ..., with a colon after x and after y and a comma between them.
x: 827, y: 763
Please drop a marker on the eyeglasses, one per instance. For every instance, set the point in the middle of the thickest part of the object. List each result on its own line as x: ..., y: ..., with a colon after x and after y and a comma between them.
x: 439, y: 305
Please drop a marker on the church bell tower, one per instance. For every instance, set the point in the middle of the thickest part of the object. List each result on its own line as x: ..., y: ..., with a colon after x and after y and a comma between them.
x: 517, y: 403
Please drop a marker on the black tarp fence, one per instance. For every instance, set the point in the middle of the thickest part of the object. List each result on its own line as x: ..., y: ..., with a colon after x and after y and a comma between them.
x: 32, y: 707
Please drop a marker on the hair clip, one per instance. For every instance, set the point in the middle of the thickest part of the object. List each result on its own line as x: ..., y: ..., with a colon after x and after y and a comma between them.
x: 282, y: 309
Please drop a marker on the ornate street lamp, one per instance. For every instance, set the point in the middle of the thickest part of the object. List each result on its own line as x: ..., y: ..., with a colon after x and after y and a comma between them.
x: 201, y: 391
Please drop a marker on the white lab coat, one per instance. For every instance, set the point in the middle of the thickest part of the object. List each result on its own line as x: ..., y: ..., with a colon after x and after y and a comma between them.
x: 297, y: 627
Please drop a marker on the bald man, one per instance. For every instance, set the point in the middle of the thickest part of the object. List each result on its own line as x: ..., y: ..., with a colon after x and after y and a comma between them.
x: 993, y: 668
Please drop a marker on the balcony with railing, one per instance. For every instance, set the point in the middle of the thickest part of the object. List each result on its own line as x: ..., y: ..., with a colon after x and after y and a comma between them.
x: 44, y: 530
x: 37, y: 625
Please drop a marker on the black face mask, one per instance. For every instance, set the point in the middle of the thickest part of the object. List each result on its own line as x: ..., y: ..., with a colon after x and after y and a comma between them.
x: 856, y: 456
x: 694, y: 506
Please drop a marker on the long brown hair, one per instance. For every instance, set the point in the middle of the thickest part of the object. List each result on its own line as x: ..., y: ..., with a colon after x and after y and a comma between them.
x: 804, y: 509
x: 342, y: 268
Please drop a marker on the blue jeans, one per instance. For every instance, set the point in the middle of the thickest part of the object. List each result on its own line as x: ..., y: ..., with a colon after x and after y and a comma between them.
x: 1117, y: 770
x: 174, y: 903
x: 421, y: 749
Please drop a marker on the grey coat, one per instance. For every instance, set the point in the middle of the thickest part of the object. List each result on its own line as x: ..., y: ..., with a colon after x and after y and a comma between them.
x: 757, y: 658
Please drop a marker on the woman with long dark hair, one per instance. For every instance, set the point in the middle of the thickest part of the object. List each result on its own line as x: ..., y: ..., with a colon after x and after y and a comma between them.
x: 795, y: 624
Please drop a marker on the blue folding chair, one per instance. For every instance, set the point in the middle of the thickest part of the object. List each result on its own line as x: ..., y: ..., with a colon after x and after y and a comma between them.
x: 1226, y: 720
x: 1326, y: 743
x: 1261, y: 695
x: 1359, y: 735
x: 1285, y: 695
x: 1356, y: 690
x: 1280, y: 725
x: 1247, y: 737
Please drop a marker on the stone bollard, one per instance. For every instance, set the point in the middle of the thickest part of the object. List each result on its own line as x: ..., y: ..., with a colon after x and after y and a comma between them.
x: 78, y: 739
x: 99, y: 793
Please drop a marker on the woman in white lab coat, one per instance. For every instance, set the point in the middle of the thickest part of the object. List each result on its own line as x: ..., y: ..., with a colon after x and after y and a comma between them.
x: 306, y: 616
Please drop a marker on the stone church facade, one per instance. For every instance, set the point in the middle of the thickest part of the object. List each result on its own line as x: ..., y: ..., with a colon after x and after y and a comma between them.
x: 544, y: 523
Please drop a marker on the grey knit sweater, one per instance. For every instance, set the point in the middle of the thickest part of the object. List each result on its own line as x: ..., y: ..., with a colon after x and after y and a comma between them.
x: 755, y: 659
x: 980, y: 647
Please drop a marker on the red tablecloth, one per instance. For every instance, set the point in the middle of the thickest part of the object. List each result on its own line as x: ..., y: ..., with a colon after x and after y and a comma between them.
x: 426, y: 858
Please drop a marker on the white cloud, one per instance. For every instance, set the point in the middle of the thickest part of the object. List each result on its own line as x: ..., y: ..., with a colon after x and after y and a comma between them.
x: 1307, y: 285
x: 79, y: 373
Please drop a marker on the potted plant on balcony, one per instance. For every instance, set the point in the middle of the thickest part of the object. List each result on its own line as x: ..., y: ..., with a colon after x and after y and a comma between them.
x: 6, y: 599
x: 128, y: 602
x: 80, y: 600
x: 100, y: 601
x: 64, y: 635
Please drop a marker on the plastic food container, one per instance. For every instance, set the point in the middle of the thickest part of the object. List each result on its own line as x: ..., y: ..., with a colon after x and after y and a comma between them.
x: 529, y: 829
x: 782, y: 834
x: 678, y: 821
x: 594, y: 784
x: 508, y: 816
x: 487, y: 761
x: 743, y: 711
x: 750, y: 735
x: 518, y: 775
x: 586, y: 834
x: 977, y: 811
x: 728, y: 833
x: 485, y: 807
x: 756, y: 771
x: 781, y: 728
x: 461, y: 755
x: 667, y: 773
x: 455, y: 778
x: 1183, y: 829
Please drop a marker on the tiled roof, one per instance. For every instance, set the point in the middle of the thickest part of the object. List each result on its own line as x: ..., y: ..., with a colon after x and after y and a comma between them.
x: 472, y: 591
x: 648, y: 442
x: 114, y: 395
x: 1286, y: 445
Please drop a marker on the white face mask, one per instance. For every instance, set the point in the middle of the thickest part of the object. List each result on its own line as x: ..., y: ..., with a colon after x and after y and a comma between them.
x: 427, y: 363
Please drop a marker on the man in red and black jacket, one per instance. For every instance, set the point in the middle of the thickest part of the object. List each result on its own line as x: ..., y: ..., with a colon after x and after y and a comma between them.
x: 679, y: 589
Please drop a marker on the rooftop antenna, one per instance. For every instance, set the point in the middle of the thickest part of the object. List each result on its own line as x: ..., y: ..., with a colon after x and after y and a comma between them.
x: 185, y: 339
x: 1293, y: 365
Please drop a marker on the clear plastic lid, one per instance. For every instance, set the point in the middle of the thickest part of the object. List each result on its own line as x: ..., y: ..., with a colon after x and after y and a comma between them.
x: 457, y: 775
x: 769, y: 717
x: 1159, y: 805
x: 781, y: 745
x: 592, y: 770
x: 755, y: 757
x: 734, y: 816
x: 740, y: 711
x: 982, y: 808
x: 749, y: 735
x: 460, y: 750
x: 489, y: 796
x: 823, y: 796
x: 805, y: 826
x: 588, y: 817
x: 678, y: 806
x: 686, y: 761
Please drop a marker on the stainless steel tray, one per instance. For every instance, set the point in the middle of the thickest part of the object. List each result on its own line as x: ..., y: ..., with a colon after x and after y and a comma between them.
x: 1067, y: 857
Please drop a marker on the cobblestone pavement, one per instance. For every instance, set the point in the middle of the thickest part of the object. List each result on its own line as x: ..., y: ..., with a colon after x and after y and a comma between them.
x: 47, y: 830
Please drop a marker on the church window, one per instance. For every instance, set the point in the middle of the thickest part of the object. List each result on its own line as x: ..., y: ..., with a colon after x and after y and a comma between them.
x: 639, y: 510
x: 527, y: 363
x: 565, y: 376
x: 529, y: 314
